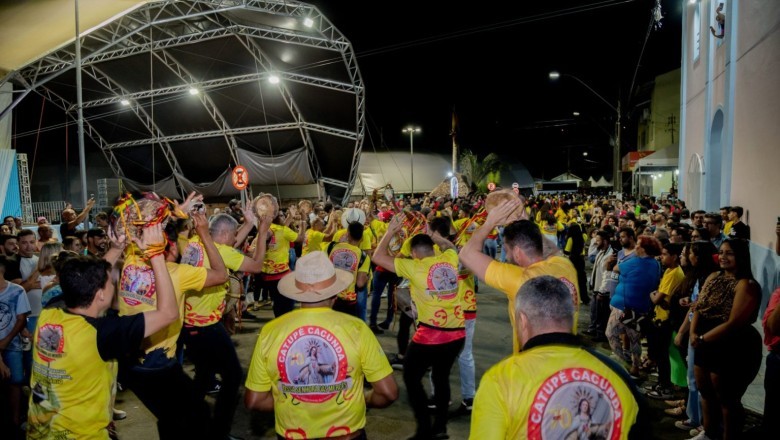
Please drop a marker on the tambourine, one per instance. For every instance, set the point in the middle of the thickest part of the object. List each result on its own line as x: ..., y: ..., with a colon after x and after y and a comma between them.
x: 265, y: 205
x: 305, y: 207
x: 498, y: 197
x: 413, y: 223
x: 130, y: 216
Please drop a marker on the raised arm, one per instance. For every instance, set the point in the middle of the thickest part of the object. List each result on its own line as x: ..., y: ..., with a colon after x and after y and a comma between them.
x: 255, y: 263
x: 218, y: 273
x: 471, y: 255
x: 82, y: 215
x: 381, y: 257
x: 153, y: 245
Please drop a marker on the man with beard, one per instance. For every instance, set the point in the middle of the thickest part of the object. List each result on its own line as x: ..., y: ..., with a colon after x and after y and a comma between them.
x: 44, y: 236
x: 96, y: 242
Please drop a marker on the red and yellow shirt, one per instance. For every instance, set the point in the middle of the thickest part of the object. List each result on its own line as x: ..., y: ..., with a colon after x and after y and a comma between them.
x: 277, y: 254
x: 313, y: 361
x: 347, y: 257
x: 553, y: 391
x: 206, y: 306
x: 138, y: 294
x: 437, y: 296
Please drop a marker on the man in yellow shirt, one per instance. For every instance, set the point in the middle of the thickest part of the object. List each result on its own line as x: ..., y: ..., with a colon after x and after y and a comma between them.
x: 526, y: 256
x: 277, y: 261
x: 309, y: 365
x: 156, y: 377
x: 316, y: 235
x: 348, y: 256
x: 555, y: 387
x: 441, y: 329
x: 659, y: 335
x: 76, y: 347
x: 208, y: 344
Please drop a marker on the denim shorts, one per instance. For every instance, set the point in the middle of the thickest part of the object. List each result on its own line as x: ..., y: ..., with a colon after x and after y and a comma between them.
x: 13, y: 360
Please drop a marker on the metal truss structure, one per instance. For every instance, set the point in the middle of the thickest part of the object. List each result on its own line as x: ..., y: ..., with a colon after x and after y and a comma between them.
x: 155, y: 30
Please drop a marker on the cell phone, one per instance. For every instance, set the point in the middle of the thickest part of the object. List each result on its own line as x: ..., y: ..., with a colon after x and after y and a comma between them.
x: 615, y: 245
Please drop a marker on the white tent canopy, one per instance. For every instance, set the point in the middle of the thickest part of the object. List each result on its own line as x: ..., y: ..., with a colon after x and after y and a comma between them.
x: 566, y: 177
x: 665, y: 158
x: 378, y: 169
x: 602, y: 182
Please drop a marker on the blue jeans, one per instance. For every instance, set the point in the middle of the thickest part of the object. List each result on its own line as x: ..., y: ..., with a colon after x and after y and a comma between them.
x: 293, y: 258
x: 490, y: 248
x: 362, y: 300
x: 13, y: 360
x: 468, y: 384
x: 693, y: 409
x: 383, y: 279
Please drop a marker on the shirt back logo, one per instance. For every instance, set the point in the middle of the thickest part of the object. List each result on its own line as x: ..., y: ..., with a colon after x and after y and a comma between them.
x: 193, y: 255
x: 443, y: 281
x: 575, y: 403
x: 344, y: 259
x: 312, y: 365
x: 50, y: 342
x: 137, y: 285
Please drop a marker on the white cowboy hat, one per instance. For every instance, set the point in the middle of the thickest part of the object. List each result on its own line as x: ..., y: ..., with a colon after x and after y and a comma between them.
x: 315, y: 279
x: 352, y: 215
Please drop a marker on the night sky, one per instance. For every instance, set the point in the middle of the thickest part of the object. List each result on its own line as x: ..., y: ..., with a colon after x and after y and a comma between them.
x: 490, y: 62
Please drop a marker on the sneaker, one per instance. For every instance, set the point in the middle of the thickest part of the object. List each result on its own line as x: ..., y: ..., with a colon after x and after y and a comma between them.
x: 215, y: 389
x: 467, y: 405
x: 397, y: 362
x: 119, y: 414
x: 432, y: 404
x: 696, y: 431
x: 384, y: 325
x: 675, y: 403
x: 677, y: 411
x: 701, y: 436
x: 660, y: 392
x: 685, y: 425
x: 375, y: 329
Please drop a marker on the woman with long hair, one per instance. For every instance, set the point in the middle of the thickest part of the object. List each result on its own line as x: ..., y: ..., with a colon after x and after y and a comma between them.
x: 727, y: 348
x: 698, y: 261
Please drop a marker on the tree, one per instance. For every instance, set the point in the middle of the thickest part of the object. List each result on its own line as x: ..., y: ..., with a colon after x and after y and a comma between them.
x: 476, y: 170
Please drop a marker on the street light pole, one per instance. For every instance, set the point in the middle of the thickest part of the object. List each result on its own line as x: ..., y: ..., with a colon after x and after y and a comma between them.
x: 411, y: 130
x: 617, y: 177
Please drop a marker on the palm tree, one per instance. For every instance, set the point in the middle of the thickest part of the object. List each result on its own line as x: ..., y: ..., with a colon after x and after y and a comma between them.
x: 476, y: 170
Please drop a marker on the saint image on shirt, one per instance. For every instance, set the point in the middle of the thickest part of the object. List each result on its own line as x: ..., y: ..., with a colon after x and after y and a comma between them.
x: 442, y: 277
x: 344, y: 259
x: 319, y: 366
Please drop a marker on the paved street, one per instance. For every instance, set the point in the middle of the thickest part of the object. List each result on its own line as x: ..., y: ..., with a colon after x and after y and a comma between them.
x: 492, y: 343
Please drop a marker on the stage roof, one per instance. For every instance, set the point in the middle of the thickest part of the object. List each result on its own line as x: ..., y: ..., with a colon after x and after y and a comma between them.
x: 186, y: 85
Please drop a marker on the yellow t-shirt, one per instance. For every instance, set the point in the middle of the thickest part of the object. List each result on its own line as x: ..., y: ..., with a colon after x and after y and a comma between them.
x: 552, y: 391
x: 727, y: 228
x: 365, y: 243
x: 378, y: 228
x: 277, y: 253
x: 669, y: 282
x: 313, y: 361
x: 435, y: 292
x: 508, y: 278
x: 463, y: 231
x: 71, y: 384
x: 466, y: 285
x: 206, y: 306
x: 312, y: 242
x: 138, y: 294
x: 346, y: 256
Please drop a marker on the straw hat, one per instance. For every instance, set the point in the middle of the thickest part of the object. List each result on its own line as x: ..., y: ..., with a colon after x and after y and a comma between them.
x: 315, y: 279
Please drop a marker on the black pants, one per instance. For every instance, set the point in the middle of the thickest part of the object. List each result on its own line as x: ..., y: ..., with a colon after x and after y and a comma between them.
x: 582, y: 279
x: 212, y: 352
x: 659, y: 336
x: 405, y: 323
x: 282, y: 304
x: 348, y: 307
x: 772, y: 389
x: 170, y: 395
x: 418, y: 358
x: 599, y: 313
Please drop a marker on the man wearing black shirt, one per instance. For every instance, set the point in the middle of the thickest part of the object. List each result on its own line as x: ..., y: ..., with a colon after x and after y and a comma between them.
x: 77, y: 347
x: 738, y: 228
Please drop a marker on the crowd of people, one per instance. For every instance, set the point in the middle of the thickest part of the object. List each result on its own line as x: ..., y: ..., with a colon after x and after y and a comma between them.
x: 127, y: 299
